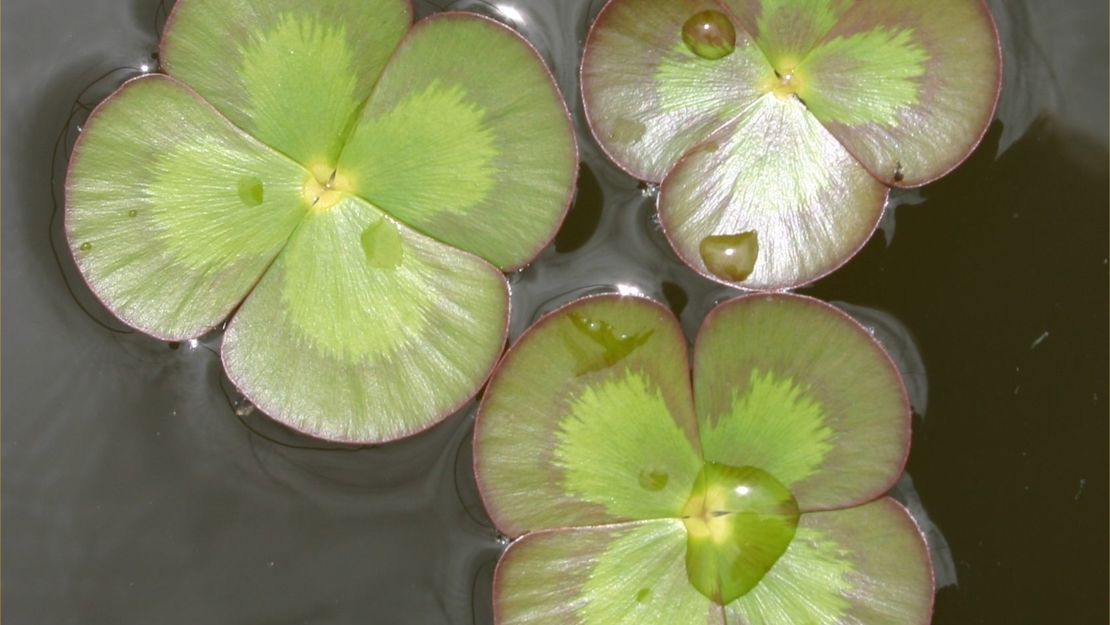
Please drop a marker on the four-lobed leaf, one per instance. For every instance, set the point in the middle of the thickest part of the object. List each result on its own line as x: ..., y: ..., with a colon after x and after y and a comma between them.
x: 787, y: 137
x: 753, y: 495
x: 351, y: 182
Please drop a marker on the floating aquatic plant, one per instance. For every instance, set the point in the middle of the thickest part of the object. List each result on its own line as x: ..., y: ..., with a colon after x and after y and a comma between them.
x: 349, y: 185
x: 754, y: 497
x: 777, y: 126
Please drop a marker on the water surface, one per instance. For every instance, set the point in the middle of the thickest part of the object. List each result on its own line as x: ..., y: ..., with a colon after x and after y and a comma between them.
x: 134, y: 493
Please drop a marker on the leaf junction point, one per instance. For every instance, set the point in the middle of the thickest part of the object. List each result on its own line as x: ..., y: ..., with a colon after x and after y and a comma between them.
x: 739, y: 521
x: 324, y: 187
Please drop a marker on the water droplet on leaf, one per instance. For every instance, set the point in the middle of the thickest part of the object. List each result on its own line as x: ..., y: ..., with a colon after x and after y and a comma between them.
x: 86, y: 246
x: 739, y: 521
x: 614, y: 347
x: 730, y: 256
x: 709, y: 34
x: 653, y: 480
x: 643, y: 594
x: 132, y: 213
x: 383, y: 245
x: 250, y: 190
x: 627, y: 130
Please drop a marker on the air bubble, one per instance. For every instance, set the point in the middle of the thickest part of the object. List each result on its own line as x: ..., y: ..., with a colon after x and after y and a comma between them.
x: 653, y: 481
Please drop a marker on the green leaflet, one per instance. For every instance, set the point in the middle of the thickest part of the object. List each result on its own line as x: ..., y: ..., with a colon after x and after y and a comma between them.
x: 589, y: 420
x: 869, y: 564
x: 619, y: 575
x: 908, y: 87
x: 147, y: 200
x: 823, y: 410
x: 807, y: 220
x: 347, y: 349
x: 450, y: 146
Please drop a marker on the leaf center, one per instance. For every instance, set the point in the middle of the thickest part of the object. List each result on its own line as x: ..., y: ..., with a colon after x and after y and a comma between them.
x: 739, y: 521
x: 785, y: 83
x: 324, y: 186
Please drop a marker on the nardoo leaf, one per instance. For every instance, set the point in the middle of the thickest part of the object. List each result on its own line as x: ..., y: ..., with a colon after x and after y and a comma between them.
x: 792, y: 386
x: 801, y: 416
x: 822, y: 104
x: 196, y: 199
x: 250, y: 171
x: 589, y: 420
x: 293, y: 74
x: 630, y: 574
x: 365, y: 330
x: 452, y: 146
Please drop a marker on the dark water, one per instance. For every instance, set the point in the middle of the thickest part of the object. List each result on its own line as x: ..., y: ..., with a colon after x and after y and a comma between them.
x: 134, y: 493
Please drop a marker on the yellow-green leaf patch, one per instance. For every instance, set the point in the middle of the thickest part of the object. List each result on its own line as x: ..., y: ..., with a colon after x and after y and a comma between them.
x: 448, y: 143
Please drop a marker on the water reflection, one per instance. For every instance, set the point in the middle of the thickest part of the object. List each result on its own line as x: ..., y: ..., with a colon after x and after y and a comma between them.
x: 1050, y: 68
x: 944, y: 567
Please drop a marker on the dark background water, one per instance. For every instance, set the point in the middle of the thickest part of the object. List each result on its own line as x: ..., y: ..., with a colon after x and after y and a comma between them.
x: 134, y: 491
